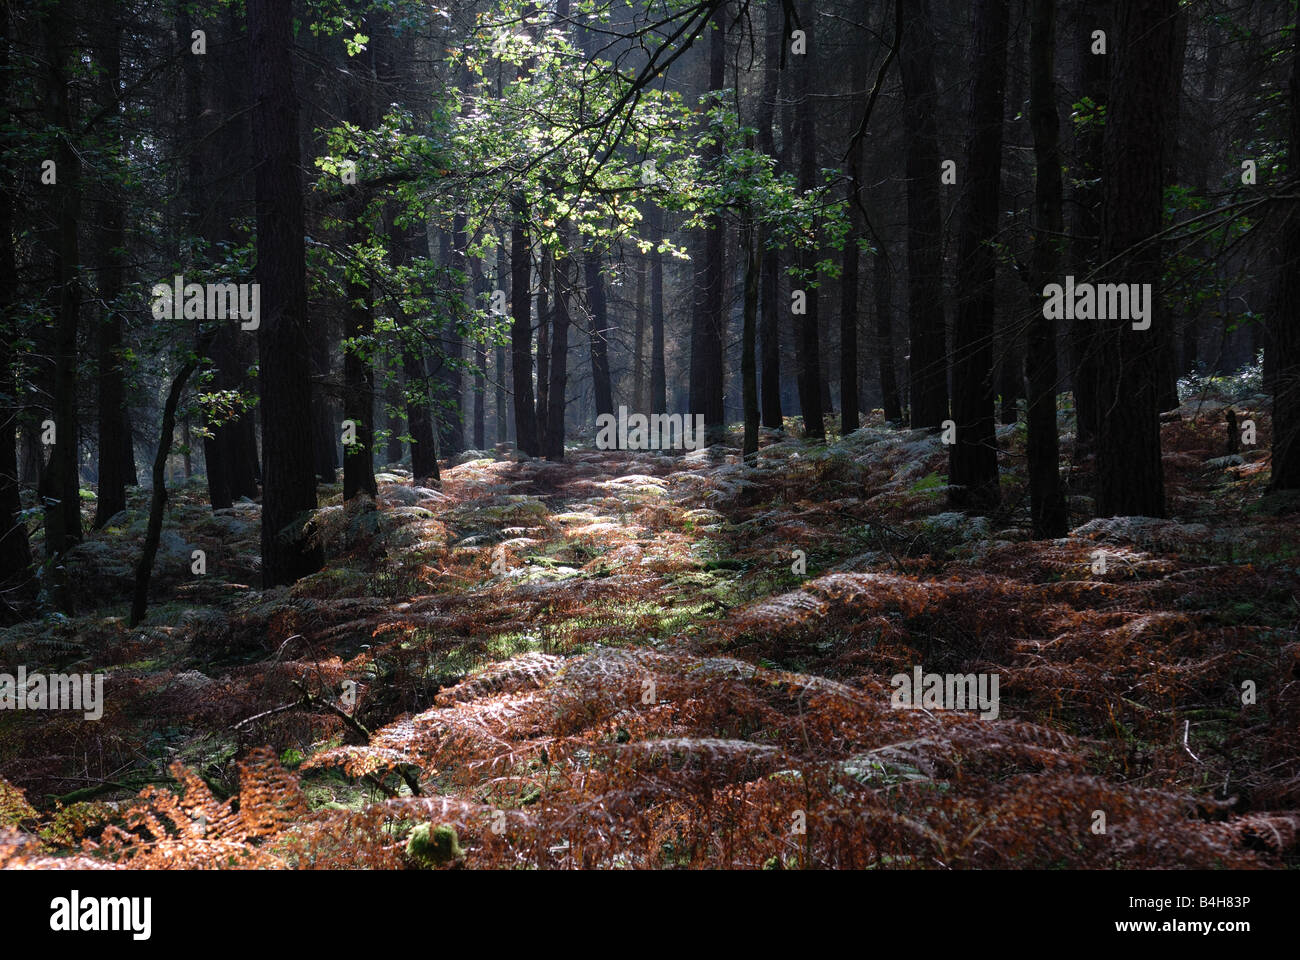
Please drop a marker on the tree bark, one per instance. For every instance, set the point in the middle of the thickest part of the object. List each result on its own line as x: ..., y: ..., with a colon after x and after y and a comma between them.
x: 521, y: 334
x: 1286, y: 319
x: 1047, y: 505
x: 807, y: 335
x: 1130, y: 476
x: 289, y: 480
x: 927, y: 363
x: 60, y: 481
x: 973, y: 459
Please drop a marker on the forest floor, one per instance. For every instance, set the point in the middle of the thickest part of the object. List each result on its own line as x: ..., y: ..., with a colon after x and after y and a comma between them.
x: 621, y: 660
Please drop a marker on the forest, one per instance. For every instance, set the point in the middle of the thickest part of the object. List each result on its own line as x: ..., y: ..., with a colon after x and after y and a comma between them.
x: 650, y: 434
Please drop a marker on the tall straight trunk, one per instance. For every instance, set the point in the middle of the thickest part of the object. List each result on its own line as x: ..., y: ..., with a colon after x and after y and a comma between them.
x: 561, y: 275
x: 116, y: 457
x: 973, y: 459
x: 927, y: 363
x: 1047, y: 506
x: 1286, y: 318
x: 358, y: 371
x: 1167, y: 356
x: 60, y: 482
x: 450, y: 400
x: 479, y: 286
x: 409, y: 245
x: 707, y: 320
x: 1202, y: 158
x: 749, y: 337
x: 15, y: 550
x: 521, y: 333
x: 770, y: 309
x: 598, y: 331
x: 850, y: 261
x: 1130, y: 475
x: 658, y: 375
x: 884, y: 302
x: 544, y: 348
x: 289, y: 481
x: 502, y: 367
x: 1094, y: 85
x: 807, y: 334
x: 359, y: 319
x: 638, y: 339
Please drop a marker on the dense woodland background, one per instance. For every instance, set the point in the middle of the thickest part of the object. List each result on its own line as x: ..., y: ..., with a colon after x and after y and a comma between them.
x: 374, y: 533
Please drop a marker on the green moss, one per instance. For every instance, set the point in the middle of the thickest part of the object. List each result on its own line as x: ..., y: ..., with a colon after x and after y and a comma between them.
x: 430, y: 845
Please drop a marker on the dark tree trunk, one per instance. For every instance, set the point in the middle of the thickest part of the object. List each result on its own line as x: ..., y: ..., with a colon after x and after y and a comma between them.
x: 598, y: 332
x: 502, y: 369
x: 1130, y: 476
x: 116, y: 466
x: 707, y: 319
x: 15, y: 550
x: 973, y: 459
x: 884, y: 278
x: 1094, y: 85
x: 358, y: 369
x: 543, y: 347
x: 1047, y: 506
x: 927, y: 364
x: 449, y: 398
x: 749, y: 337
x: 807, y: 335
x: 658, y: 377
x: 1167, y: 356
x: 1286, y: 319
x: 289, y: 480
x: 411, y: 244
x: 158, y: 500
x: 770, y: 309
x: 638, y: 339
x: 60, y: 482
x: 521, y: 334
x: 559, y: 379
x: 479, y: 287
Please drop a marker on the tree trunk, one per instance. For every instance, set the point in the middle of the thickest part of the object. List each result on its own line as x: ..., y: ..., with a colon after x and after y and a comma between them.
x: 658, y: 377
x: 749, y: 337
x: 1047, y: 506
x: 289, y: 481
x: 927, y: 363
x: 598, y: 330
x: 544, y: 347
x: 1094, y: 85
x: 973, y: 459
x: 1286, y: 319
x: 521, y: 334
x: 707, y: 319
x: 884, y: 278
x: 807, y: 335
x: 559, y: 378
x: 1130, y: 476
x: 158, y: 501
x: 502, y: 369
x: 15, y: 551
x: 116, y: 466
x: 60, y: 482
